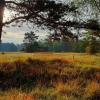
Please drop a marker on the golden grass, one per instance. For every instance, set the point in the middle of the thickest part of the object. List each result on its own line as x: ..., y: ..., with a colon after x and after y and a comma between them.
x: 92, y: 88
x: 57, y: 76
x: 78, y: 59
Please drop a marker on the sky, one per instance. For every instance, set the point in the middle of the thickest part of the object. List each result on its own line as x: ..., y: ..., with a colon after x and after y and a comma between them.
x: 11, y: 34
x: 16, y: 34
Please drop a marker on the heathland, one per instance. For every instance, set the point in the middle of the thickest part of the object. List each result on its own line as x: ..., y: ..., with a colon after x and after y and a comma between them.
x: 49, y: 76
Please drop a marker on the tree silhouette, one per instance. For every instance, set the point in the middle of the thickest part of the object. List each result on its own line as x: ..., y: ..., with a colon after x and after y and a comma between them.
x: 2, y: 5
x: 48, y: 14
x: 30, y: 42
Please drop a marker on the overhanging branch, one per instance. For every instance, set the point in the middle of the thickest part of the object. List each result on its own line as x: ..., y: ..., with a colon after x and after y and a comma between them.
x: 12, y: 2
x: 13, y: 20
x: 50, y: 22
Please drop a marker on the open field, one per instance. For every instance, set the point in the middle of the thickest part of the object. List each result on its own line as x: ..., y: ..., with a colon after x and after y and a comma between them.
x: 79, y: 59
x: 49, y: 76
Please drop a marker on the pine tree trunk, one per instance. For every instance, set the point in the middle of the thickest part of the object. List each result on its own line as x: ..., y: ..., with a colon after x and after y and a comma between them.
x: 2, y: 5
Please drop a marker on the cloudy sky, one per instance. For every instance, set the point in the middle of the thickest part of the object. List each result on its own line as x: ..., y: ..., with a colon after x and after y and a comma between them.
x: 16, y: 34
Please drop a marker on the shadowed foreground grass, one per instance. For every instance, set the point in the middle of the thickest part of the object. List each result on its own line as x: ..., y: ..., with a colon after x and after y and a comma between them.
x: 50, y: 76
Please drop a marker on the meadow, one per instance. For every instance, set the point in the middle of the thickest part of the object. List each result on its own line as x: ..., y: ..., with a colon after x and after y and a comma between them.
x: 49, y: 76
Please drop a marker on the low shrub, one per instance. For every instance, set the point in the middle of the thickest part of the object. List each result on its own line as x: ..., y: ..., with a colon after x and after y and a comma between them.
x: 90, y: 50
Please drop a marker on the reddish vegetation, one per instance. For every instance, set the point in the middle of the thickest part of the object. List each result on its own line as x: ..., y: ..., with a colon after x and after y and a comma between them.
x: 33, y: 73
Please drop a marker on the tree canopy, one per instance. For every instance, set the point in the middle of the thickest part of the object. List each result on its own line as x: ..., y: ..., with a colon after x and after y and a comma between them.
x: 56, y: 16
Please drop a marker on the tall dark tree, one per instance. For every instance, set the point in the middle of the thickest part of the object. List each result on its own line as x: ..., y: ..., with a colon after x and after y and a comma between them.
x: 30, y: 42
x: 2, y: 6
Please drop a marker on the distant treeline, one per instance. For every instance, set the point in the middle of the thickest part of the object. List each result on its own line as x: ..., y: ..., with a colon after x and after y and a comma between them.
x: 55, y: 43
x: 58, y: 46
x: 9, y: 47
x: 44, y: 46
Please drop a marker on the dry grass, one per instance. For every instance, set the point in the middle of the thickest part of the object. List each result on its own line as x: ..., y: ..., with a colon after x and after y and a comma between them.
x: 79, y: 59
x: 49, y: 76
